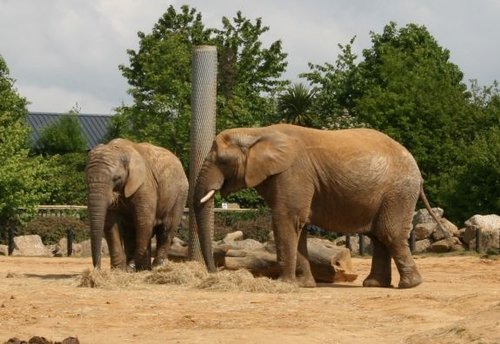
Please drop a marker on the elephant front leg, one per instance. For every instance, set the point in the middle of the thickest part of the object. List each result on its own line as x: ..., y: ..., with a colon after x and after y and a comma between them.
x: 304, y: 274
x: 291, y: 249
x: 142, y: 254
x: 113, y: 239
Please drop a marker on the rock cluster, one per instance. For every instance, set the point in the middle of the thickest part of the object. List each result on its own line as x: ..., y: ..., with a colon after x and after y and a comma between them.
x: 430, y: 237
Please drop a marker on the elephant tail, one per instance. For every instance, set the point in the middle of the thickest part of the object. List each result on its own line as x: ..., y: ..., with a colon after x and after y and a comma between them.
x: 424, y: 199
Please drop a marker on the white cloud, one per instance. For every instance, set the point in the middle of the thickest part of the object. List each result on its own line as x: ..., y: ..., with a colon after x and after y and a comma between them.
x: 67, y: 51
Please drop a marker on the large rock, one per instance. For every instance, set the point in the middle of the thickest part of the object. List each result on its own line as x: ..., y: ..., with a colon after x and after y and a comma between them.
x: 4, y: 250
x: 61, y: 249
x: 447, y: 245
x: 423, y: 216
x: 87, y: 251
x: 30, y: 246
x: 422, y: 246
x: 424, y: 230
x: 450, y: 230
x: 486, y: 222
x: 489, y: 232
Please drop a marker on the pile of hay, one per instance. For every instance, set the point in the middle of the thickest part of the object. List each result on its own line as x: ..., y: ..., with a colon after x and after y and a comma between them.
x: 187, y: 274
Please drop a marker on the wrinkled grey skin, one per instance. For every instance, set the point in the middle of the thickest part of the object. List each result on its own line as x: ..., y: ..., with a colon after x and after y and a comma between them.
x: 349, y: 181
x: 135, y: 190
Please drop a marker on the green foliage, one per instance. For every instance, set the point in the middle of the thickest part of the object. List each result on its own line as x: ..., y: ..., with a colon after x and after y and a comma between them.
x: 255, y: 224
x: 52, y: 228
x: 249, y: 74
x: 160, y: 78
x: 413, y: 93
x: 473, y: 185
x: 65, y: 179
x: 20, y: 181
x: 294, y: 105
x: 335, y: 88
x: 247, y: 198
x: 63, y: 137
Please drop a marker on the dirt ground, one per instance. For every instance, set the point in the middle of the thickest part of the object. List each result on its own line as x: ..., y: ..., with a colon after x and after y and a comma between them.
x: 459, y: 302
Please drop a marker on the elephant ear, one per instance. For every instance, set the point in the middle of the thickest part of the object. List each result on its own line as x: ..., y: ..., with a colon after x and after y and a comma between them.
x: 269, y: 155
x: 136, y: 172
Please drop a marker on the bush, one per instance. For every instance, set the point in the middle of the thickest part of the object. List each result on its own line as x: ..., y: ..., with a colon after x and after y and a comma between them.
x: 255, y: 224
x: 52, y: 228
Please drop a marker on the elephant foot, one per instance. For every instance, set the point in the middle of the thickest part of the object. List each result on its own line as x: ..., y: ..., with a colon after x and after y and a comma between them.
x: 159, y: 262
x: 305, y: 282
x: 410, y: 281
x: 131, y: 267
x: 377, y: 282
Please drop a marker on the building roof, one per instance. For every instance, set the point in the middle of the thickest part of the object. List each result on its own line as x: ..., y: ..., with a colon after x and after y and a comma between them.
x: 93, y: 127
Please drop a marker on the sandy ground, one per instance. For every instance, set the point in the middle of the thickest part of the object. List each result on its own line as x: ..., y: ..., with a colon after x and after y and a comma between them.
x: 459, y: 302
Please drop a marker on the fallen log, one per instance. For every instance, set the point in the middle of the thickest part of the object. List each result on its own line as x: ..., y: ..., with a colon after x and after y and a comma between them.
x: 329, y: 263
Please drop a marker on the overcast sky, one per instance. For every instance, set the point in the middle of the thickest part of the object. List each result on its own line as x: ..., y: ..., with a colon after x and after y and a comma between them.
x: 63, y: 52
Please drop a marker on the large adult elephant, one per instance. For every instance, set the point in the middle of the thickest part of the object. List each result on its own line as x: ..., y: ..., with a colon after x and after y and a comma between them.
x: 135, y: 190
x: 350, y: 181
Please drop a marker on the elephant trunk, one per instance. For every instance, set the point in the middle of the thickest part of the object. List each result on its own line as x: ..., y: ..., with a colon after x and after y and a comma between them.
x: 209, y: 180
x: 97, y: 207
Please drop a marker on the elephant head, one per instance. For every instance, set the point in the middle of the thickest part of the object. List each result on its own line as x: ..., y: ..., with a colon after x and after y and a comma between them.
x: 239, y: 158
x: 112, y: 169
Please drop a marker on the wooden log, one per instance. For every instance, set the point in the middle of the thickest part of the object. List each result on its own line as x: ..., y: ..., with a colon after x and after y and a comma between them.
x: 178, y: 253
x: 329, y: 263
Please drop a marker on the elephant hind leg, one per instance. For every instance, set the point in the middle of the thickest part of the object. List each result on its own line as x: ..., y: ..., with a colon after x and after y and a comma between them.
x: 380, y: 274
x: 165, y: 232
x: 394, y: 232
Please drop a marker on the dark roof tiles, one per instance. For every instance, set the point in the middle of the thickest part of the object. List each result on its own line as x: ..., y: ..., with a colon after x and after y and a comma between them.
x: 93, y: 127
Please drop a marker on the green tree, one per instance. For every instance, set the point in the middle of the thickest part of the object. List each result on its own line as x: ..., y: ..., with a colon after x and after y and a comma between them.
x: 20, y: 181
x: 160, y: 78
x: 474, y: 183
x: 294, y: 105
x: 64, y: 136
x: 249, y: 74
x: 335, y: 87
x: 65, y: 179
x: 411, y: 91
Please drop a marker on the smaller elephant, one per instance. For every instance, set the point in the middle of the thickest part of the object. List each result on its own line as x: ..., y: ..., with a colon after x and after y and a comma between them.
x: 135, y: 191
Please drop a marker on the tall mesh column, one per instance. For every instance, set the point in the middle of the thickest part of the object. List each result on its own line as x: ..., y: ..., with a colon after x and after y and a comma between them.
x: 203, y: 106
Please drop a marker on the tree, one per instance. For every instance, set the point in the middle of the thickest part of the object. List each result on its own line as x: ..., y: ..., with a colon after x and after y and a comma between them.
x: 411, y: 91
x: 335, y: 87
x: 64, y: 136
x: 160, y: 78
x: 20, y: 181
x: 249, y: 74
x: 294, y: 105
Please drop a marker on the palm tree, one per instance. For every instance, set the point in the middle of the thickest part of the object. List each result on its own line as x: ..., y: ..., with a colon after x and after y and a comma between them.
x: 295, y: 104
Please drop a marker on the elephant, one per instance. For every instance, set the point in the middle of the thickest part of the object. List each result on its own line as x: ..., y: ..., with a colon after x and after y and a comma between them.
x: 350, y: 181
x: 134, y: 190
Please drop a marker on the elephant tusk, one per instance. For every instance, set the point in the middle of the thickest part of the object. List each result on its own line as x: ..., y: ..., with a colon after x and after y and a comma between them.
x: 207, y: 196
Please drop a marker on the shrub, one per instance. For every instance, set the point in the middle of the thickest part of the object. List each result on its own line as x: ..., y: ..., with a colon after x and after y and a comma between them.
x: 52, y: 228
